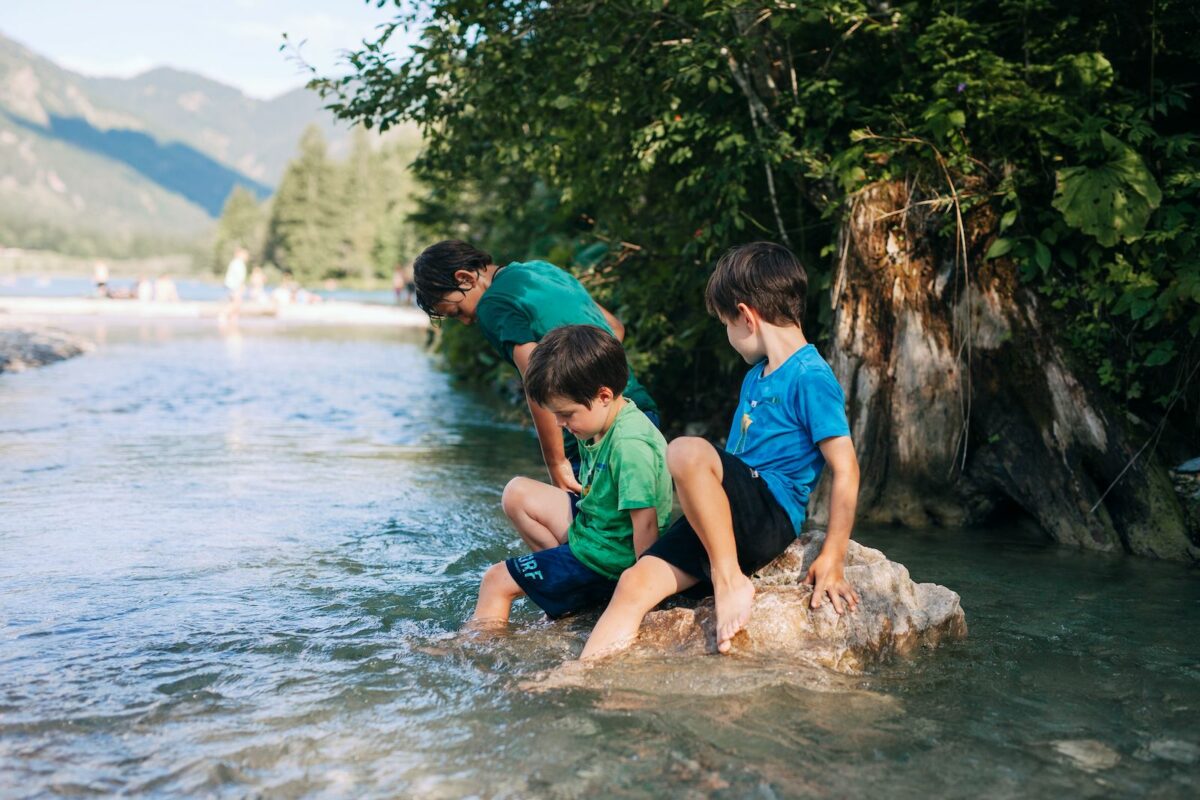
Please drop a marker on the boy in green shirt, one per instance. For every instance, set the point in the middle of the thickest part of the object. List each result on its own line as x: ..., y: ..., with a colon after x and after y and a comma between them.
x: 516, y: 305
x: 626, y: 490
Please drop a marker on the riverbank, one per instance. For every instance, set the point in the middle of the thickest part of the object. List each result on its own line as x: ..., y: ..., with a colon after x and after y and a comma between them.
x: 26, y: 348
x: 331, y: 312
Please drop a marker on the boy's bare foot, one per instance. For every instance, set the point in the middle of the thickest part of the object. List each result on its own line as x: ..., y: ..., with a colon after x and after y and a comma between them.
x: 734, y: 601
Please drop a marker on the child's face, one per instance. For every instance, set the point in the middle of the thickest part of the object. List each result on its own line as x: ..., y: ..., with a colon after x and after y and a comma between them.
x: 584, y: 422
x: 742, y: 332
x: 461, y: 304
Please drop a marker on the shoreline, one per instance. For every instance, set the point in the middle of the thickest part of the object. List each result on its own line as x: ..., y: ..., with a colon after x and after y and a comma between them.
x: 337, y: 312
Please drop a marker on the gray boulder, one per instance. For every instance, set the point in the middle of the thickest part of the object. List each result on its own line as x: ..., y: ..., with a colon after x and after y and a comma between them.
x: 23, y: 348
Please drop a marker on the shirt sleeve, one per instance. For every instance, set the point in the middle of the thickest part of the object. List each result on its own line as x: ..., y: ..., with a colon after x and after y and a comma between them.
x: 823, y: 405
x: 505, y: 324
x: 637, y: 471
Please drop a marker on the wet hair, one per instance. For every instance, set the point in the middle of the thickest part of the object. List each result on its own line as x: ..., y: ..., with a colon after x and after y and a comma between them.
x: 763, y: 275
x: 575, y: 362
x: 433, y: 271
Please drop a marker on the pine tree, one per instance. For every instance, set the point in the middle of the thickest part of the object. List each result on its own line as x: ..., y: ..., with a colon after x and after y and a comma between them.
x: 241, y: 224
x: 303, y: 233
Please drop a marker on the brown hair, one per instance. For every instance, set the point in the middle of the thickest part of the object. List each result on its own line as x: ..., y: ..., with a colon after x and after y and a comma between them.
x: 763, y: 275
x: 575, y: 362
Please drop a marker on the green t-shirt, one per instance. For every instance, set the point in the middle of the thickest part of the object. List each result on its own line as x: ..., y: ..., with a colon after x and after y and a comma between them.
x: 626, y: 469
x: 527, y: 300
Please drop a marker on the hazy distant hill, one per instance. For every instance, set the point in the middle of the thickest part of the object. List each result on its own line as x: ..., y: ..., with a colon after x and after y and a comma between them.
x: 101, y: 164
x: 255, y: 137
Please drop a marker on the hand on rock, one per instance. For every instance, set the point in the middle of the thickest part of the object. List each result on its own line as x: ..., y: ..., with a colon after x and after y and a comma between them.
x: 827, y: 577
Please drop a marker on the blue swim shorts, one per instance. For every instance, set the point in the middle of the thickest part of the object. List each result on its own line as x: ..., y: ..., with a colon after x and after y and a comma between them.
x: 558, y: 582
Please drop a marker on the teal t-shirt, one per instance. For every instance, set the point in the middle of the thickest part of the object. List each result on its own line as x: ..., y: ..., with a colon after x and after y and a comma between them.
x: 529, y: 299
x: 626, y: 469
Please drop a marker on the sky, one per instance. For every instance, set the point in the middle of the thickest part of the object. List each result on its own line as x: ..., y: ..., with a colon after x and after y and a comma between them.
x: 233, y: 41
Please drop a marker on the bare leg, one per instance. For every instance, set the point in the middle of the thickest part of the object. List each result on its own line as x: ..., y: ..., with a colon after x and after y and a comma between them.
x: 497, y: 591
x: 643, y: 586
x: 698, y: 472
x: 541, y: 513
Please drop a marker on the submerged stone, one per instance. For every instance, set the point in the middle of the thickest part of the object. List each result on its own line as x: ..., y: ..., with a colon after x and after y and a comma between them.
x: 22, y: 348
x: 785, y: 635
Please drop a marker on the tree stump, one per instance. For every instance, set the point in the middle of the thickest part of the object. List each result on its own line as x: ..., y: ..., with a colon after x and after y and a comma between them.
x: 964, y: 407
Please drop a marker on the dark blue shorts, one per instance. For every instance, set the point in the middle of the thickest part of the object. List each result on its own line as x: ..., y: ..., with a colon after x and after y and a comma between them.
x: 559, y: 583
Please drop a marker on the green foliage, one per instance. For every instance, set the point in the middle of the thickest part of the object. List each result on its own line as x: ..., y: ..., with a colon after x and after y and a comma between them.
x: 1112, y: 201
x: 662, y: 133
x: 242, y: 224
x: 342, y: 220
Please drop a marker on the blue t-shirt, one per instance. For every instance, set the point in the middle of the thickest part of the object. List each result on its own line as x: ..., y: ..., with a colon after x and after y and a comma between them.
x: 779, y: 421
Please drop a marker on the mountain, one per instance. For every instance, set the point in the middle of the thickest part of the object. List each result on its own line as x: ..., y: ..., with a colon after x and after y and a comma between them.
x: 255, y: 137
x: 105, y: 165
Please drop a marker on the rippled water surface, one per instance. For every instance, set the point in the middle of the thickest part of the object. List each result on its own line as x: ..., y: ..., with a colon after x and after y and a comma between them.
x: 235, y: 566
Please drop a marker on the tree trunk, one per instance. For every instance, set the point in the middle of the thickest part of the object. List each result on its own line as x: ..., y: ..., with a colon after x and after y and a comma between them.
x: 963, y: 406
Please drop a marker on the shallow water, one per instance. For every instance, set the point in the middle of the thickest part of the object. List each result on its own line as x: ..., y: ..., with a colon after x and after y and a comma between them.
x: 236, y: 566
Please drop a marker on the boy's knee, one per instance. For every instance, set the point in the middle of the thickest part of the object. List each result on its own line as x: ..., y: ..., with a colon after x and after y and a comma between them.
x: 688, y: 454
x: 636, y: 584
x: 497, y: 580
x: 514, y: 496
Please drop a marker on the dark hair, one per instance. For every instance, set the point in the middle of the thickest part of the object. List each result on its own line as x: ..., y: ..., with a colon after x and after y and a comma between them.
x: 763, y: 275
x: 575, y: 362
x: 433, y: 271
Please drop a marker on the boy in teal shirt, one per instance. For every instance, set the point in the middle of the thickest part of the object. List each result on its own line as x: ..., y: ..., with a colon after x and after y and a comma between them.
x: 516, y: 306
x: 625, y: 498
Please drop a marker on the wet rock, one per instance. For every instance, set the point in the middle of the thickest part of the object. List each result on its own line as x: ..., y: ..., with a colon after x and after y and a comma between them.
x: 22, y: 348
x: 1170, y: 750
x: 1186, y: 479
x: 785, y: 636
x: 1087, y: 754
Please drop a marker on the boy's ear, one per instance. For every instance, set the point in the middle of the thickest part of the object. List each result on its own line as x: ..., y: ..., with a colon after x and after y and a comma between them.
x: 465, y: 277
x: 749, y: 315
x: 604, y: 396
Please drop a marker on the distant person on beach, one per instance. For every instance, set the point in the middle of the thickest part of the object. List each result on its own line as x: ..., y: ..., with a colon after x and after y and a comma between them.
x: 165, y: 290
x: 744, y: 504
x: 403, y: 285
x: 516, y: 305
x: 143, y: 289
x: 582, y: 543
x: 258, y: 285
x: 100, y: 278
x: 235, y: 284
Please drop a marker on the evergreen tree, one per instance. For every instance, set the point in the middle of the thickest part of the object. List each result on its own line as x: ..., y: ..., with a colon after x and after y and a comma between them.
x: 303, y: 232
x: 364, y: 183
x: 241, y: 225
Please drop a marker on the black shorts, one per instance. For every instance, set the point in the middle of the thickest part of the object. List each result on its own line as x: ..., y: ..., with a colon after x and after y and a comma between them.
x: 762, y: 529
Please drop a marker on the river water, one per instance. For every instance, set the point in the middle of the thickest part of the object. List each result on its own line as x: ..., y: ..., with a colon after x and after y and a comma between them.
x: 236, y: 566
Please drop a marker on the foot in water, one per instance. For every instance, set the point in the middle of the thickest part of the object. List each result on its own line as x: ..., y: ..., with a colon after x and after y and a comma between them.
x: 734, y: 601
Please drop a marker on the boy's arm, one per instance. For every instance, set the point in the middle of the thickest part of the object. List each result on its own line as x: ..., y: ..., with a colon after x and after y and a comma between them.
x: 618, y: 328
x: 548, y: 432
x: 826, y: 574
x: 645, y: 528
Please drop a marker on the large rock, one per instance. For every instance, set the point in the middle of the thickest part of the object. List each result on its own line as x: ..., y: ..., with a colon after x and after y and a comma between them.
x: 895, y: 618
x: 22, y: 348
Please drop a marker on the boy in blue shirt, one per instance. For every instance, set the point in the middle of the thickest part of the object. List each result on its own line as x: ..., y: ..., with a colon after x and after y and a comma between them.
x: 744, y: 505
